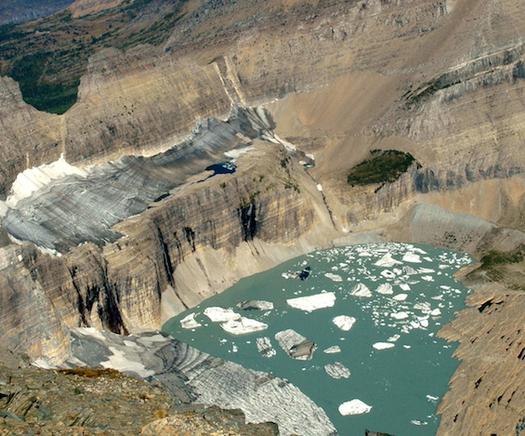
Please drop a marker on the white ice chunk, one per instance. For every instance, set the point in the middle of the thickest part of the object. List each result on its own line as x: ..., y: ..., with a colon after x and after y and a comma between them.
x: 405, y: 286
x: 220, y: 314
x: 409, y: 270
x: 188, y: 322
x: 425, y: 270
x: 33, y: 179
x: 400, y: 297
x: 399, y: 315
x: 313, y: 302
x: 411, y: 257
x: 428, y: 278
x: 344, y: 322
x: 418, y: 422
x: 383, y: 345
x: 424, y: 306
x: 388, y: 261
x: 435, y: 312
x: 334, y: 277
x: 354, y: 407
x: 385, y: 289
x: 264, y: 346
x: 243, y: 326
x: 432, y: 399
x: 393, y: 338
x: 361, y: 290
x: 337, y: 370
x: 332, y: 350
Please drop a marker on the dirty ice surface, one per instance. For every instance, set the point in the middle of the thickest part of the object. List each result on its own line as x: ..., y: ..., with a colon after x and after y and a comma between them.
x: 373, y: 311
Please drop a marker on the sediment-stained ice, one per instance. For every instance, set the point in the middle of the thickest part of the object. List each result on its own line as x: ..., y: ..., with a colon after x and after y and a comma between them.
x: 264, y: 346
x: 313, y: 302
x: 354, y: 407
x: 361, y: 290
x: 385, y: 289
x: 333, y: 350
x: 295, y: 345
x: 344, y: 322
x: 334, y: 277
x: 337, y: 370
x: 189, y: 322
x: 254, y: 305
x: 383, y: 345
x: 243, y: 326
x: 220, y: 314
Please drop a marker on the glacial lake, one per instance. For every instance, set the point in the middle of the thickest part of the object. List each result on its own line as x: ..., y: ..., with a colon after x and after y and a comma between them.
x: 389, y: 300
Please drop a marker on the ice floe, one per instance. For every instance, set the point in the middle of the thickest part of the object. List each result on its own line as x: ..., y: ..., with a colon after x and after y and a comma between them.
x: 435, y: 312
x: 243, y: 326
x: 334, y: 277
x: 264, y: 346
x: 344, y: 322
x: 405, y: 286
x: 295, y: 345
x: 354, y: 407
x: 337, y: 370
x: 313, y: 302
x: 383, y: 345
x: 220, y: 314
x: 388, y: 274
x: 188, y: 322
x: 333, y: 350
x: 385, y: 289
x: 361, y: 290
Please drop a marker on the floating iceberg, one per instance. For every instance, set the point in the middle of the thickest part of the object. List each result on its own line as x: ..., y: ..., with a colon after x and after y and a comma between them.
x: 411, y: 257
x: 344, y: 322
x: 264, y: 346
x: 296, y: 345
x: 361, y: 290
x: 388, y: 274
x: 334, y: 277
x: 313, y: 302
x: 255, y: 305
x: 393, y: 338
x: 400, y: 297
x: 409, y: 270
x: 405, y: 286
x: 354, y: 407
x: 428, y: 278
x: 332, y: 350
x: 387, y: 261
x: 399, y: 315
x: 220, y: 314
x: 383, y: 345
x: 425, y: 270
x: 423, y: 306
x: 385, y: 289
x: 243, y: 326
x: 337, y: 370
x: 435, y: 312
x: 189, y: 322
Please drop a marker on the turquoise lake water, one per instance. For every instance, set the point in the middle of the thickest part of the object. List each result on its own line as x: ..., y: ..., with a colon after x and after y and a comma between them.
x: 405, y: 293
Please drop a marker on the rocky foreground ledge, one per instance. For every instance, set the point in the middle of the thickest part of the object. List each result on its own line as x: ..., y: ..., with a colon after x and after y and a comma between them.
x: 179, y: 374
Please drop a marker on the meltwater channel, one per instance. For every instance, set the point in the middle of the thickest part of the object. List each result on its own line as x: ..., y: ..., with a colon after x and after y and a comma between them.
x: 373, y: 314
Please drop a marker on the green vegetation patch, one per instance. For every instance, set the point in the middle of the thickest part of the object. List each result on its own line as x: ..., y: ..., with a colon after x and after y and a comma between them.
x: 382, y: 167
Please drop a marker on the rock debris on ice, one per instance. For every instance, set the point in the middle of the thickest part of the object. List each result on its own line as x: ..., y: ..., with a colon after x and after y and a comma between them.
x: 337, y: 370
x: 295, y: 345
x: 361, y: 290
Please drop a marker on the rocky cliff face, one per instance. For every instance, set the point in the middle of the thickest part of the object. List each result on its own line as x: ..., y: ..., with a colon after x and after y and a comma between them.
x: 440, y: 80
